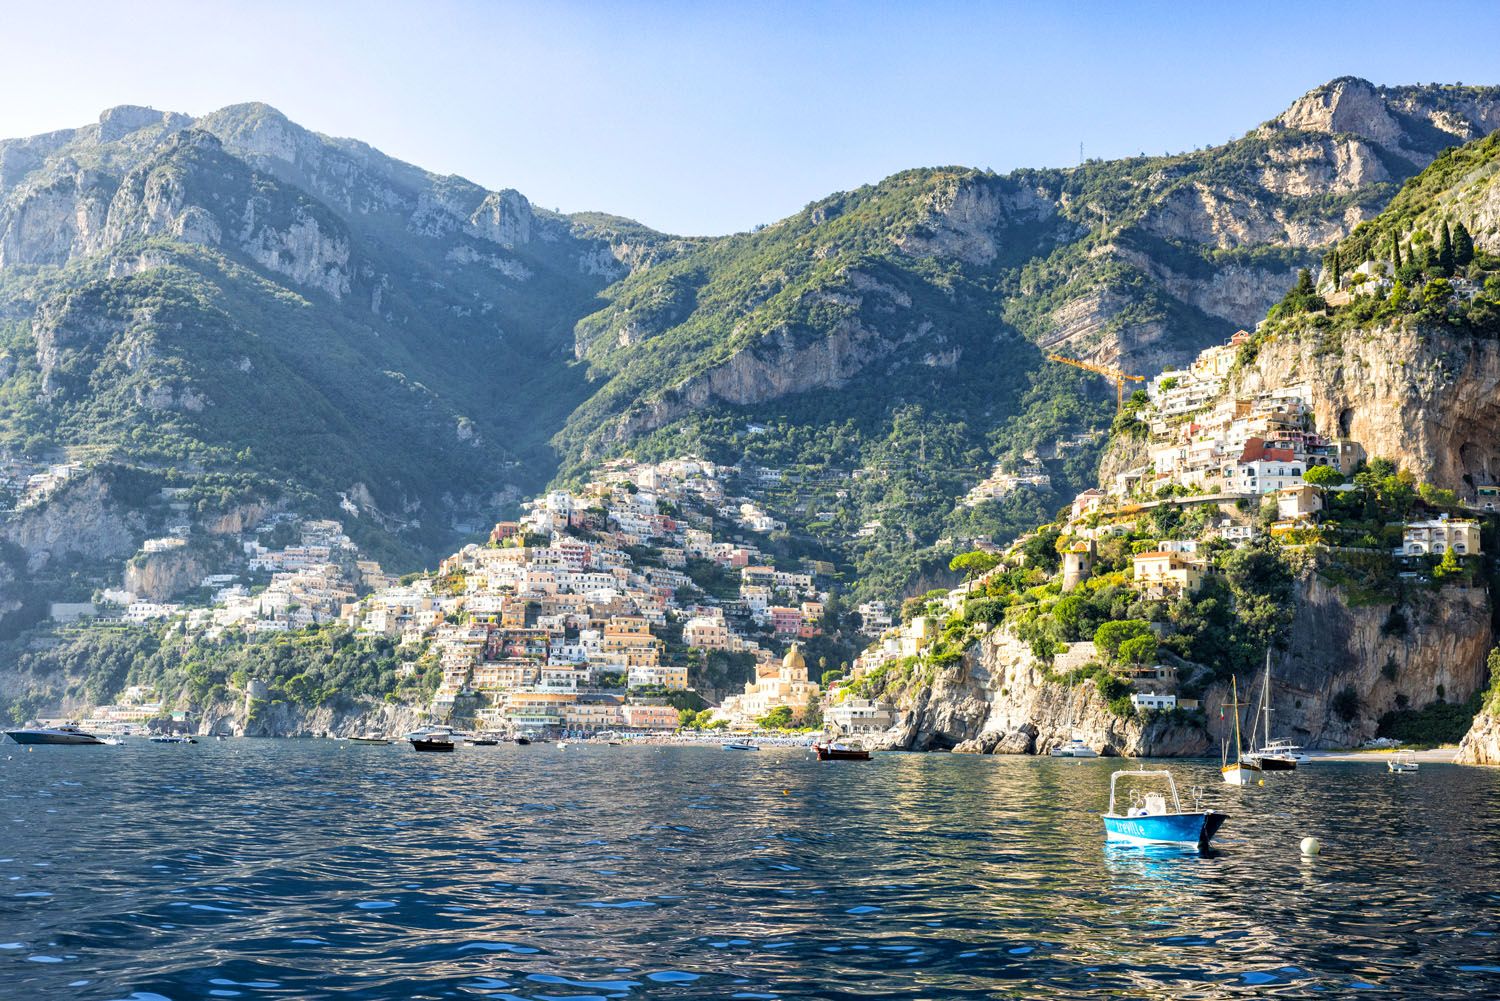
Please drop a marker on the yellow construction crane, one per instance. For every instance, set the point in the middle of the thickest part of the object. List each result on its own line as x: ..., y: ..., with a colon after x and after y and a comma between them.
x: 1106, y: 371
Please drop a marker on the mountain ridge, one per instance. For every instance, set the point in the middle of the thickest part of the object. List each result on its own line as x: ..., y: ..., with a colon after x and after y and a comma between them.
x: 444, y: 348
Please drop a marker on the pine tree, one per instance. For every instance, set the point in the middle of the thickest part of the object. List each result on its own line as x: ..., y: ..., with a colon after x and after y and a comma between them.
x: 1463, y: 245
x: 1445, y: 251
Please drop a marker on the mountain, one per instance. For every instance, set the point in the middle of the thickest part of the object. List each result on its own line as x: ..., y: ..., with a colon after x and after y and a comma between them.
x: 1393, y: 370
x: 892, y: 339
x: 223, y: 317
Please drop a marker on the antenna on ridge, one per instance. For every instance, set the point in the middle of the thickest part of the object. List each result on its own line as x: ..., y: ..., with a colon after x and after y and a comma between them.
x: 1080, y: 153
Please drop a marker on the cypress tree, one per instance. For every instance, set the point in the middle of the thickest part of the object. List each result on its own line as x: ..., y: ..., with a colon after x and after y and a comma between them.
x: 1463, y: 245
x: 1445, y: 251
x: 1396, y: 253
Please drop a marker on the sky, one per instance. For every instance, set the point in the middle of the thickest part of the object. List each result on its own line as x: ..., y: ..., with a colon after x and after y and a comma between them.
x: 707, y: 118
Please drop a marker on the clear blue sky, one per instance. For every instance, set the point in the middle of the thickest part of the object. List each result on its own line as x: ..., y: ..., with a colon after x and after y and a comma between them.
x: 703, y: 117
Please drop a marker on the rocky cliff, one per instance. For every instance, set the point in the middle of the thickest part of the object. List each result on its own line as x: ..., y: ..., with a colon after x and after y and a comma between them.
x: 82, y: 518
x: 1481, y: 745
x: 999, y: 699
x: 1422, y: 396
x: 283, y: 719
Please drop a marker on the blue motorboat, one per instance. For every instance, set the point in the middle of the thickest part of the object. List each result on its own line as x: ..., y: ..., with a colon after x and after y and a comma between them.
x: 1149, y: 820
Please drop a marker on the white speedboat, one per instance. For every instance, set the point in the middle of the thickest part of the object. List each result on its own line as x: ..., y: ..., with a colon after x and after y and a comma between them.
x: 1402, y: 762
x: 172, y: 738
x: 63, y: 733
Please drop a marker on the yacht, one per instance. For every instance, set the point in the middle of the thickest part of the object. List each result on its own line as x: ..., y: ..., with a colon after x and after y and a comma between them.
x: 63, y: 733
x: 1272, y: 755
x: 432, y: 738
x: 1074, y: 748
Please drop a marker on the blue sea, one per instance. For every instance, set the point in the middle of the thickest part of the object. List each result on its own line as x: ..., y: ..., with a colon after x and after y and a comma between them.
x: 315, y: 869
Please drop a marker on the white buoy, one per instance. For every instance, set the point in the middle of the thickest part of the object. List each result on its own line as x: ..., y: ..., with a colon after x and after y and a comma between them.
x: 1310, y: 846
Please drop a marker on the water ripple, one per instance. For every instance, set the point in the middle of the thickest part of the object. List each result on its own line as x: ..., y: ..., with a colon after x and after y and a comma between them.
x: 301, y: 869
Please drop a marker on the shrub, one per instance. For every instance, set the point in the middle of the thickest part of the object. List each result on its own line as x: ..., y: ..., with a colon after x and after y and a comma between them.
x: 1346, y: 704
x: 1109, y: 636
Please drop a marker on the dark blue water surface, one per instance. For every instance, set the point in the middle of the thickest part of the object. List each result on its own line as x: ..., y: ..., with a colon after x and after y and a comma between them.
x: 313, y: 869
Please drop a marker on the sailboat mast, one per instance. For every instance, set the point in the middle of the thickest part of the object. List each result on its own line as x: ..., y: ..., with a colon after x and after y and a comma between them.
x: 1265, y: 703
x: 1235, y: 688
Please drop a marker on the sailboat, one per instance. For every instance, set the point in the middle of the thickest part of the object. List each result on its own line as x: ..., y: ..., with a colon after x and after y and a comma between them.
x: 1273, y: 755
x: 1239, y: 772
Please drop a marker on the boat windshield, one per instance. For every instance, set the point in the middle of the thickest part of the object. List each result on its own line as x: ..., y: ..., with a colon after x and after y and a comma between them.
x: 1152, y: 802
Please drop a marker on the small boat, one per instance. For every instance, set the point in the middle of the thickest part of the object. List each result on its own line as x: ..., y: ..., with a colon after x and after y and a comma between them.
x: 739, y: 745
x: 63, y: 733
x: 562, y: 745
x: 432, y: 739
x: 369, y: 738
x: 523, y: 741
x: 173, y: 738
x: 1074, y: 747
x: 1148, y: 821
x: 840, y: 752
x: 1402, y: 762
x: 482, y: 741
x: 1237, y: 771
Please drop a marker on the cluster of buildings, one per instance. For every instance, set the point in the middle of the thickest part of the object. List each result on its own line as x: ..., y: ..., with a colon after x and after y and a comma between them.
x: 580, y: 616
x: 1030, y: 473
x: 1230, y: 445
x: 28, y: 483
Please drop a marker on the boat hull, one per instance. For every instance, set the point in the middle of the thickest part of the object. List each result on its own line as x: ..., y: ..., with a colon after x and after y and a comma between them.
x: 837, y: 754
x: 51, y: 737
x: 1240, y: 775
x: 432, y: 745
x: 1193, y: 830
x: 1275, y: 764
x: 740, y: 747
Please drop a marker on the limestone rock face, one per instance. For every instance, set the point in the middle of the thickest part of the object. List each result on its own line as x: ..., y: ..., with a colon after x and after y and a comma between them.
x: 1427, y: 399
x: 1481, y: 745
x: 1333, y: 646
x: 80, y: 519
x: 1346, y: 105
x: 997, y: 700
x: 504, y: 217
x: 967, y: 219
x: 286, y: 720
x: 164, y: 575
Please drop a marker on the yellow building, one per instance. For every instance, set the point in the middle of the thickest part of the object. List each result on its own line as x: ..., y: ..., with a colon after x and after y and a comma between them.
x: 1167, y: 573
x: 774, y: 686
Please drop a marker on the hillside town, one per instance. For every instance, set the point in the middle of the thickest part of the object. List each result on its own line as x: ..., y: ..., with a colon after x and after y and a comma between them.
x: 588, y: 613
x: 1233, y: 468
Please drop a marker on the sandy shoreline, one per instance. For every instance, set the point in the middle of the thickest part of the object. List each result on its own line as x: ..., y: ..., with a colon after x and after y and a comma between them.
x: 1436, y: 755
